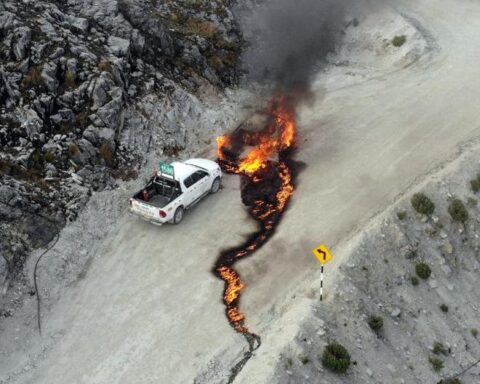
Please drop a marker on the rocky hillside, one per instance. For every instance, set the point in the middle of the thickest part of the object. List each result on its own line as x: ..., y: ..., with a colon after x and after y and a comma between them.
x: 405, y: 303
x: 87, y: 88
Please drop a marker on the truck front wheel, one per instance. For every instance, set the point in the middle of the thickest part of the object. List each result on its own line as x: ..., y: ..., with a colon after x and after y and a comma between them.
x: 215, y: 185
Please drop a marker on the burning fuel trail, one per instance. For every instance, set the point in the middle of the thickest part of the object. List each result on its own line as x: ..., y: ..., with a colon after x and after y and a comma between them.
x: 267, y: 185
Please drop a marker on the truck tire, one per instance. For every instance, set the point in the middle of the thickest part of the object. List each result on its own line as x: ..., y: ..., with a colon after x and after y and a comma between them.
x: 178, y: 216
x: 215, y: 185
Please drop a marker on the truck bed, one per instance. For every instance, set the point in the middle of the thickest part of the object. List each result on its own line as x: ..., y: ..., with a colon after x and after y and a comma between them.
x: 158, y: 201
x: 160, y: 192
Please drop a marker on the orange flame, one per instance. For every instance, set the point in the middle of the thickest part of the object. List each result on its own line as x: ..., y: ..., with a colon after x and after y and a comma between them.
x: 278, y: 135
x: 222, y: 142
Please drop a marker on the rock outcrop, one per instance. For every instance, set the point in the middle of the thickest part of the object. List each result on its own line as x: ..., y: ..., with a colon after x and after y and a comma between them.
x: 85, y: 87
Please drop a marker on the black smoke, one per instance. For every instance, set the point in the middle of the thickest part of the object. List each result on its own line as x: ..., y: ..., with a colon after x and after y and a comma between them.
x: 289, y: 40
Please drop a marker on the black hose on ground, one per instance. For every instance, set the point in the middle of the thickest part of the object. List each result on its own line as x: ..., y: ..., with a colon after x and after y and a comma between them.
x: 57, y: 236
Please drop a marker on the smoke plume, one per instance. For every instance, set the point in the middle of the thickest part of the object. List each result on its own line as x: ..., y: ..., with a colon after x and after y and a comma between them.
x: 289, y: 40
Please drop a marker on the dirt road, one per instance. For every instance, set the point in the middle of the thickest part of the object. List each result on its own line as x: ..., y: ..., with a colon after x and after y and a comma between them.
x: 149, y: 310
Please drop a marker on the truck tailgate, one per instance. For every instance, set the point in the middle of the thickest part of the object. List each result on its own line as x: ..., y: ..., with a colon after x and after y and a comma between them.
x: 144, y: 209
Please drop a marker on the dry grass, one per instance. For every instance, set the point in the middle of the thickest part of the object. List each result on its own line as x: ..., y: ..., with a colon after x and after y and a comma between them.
x: 73, y: 150
x: 33, y: 78
x: 105, y: 65
x: 201, y: 28
x: 8, y: 167
x: 106, y: 154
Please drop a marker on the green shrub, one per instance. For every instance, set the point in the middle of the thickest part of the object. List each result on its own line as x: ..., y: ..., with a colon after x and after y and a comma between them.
x: 49, y: 157
x: 336, y: 358
x: 474, y: 332
x: 458, y: 211
x: 375, y: 323
x: 437, y: 364
x: 414, y: 280
x: 423, y: 270
x: 475, y: 184
x: 422, y: 204
x: 438, y: 348
x: 444, y: 308
x: 398, y: 41
x: 70, y: 80
x: 401, y: 215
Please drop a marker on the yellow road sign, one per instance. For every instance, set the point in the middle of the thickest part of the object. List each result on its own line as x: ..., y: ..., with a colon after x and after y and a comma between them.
x: 322, y: 253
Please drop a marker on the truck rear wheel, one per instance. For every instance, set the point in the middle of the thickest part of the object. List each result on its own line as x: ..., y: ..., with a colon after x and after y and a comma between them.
x: 177, y: 218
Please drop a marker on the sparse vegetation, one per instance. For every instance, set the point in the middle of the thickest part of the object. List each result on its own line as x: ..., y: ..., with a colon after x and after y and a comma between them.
x: 422, y: 204
x: 105, y: 65
x: 70, y: 80
x: 401, y: 215
x: 304, y: 359
x: 12, y: 169
x: 437, y: 364
x: 398, y: 41
x: 375, y: 323
x: 33, y: 78
x: 438, y: 348
x: 414, y: 280
x: 106, y: 154
x: 200, y: 27
x: 444, y: 308
x: 451, y: 381
x: 49, y: 157
x: 471, y: 202
x: 475, y: 184
x: 81, y: 118
x: 336, y: 358
x: 423, y: 270
x: 73, y: 150
x: 288, y: 363
x: 457, y: 211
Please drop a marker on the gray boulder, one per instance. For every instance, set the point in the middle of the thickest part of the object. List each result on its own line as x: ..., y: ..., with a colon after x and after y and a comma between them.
x: 87, y: 153
x: 107, y: 136
x: 63, y: 116
x: 118, y: 46
x: 48, y: 75
x: 31, y: 123
x: 99, y: 88
x: 91, y: 134
x: 22, y: 38
x: 99, y: 136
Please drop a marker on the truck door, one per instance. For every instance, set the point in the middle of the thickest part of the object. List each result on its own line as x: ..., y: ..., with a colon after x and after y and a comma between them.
x: 192, y: 192
x: 201, y: 178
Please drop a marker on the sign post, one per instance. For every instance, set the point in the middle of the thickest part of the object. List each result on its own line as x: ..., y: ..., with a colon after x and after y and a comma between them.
x: 323, y: 255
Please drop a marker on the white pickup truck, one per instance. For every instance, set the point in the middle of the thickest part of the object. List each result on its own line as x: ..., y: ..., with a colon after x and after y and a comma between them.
x: 175, y: 188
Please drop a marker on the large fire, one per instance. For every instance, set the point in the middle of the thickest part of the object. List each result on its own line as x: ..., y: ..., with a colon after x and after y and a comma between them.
x: 267, y: 188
